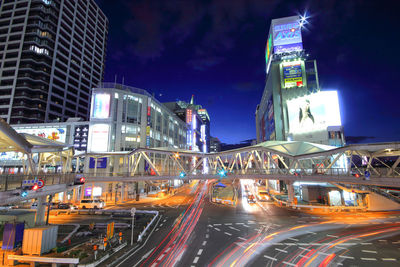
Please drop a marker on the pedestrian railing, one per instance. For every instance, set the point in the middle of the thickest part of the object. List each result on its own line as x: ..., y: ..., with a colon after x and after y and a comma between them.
x: 16, y: 181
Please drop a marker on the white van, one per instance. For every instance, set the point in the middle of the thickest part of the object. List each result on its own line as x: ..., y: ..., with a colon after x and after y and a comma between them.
x: 92, y: 204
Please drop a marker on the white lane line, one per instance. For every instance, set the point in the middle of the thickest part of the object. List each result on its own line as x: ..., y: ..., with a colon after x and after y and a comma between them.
x: 382, y: 240
x: 233, y: 228
x: 244, y: 239
x: 368, y: 259
x: 388, y: 259
x: 290, y: 264
x: 207, y: 235
x: 199, y: 252
x: 161, y: 224
x: 148, y: 253
x: 196, y: 259
x: 293, y: 239
x: 346, y: 257
x: 290, y: 244
x: 210, y: 226
x: 323, y: 253
x: 239, y: 223
x: 157, y: 229
x: 396, y: 242
x: 311, y: 232
x: 217, y: 224
x: 339, y: 247
x: 161, y: 257
x: 154, y: 264
x: 306, y: 249
x: 245, y: 225
x: 217, y: 229
x: 281, y: 250
x: 369, y: 251
x: 228, y: 223
x: 335, y: 236
x: 164, y: 220
x: 366, y: 243
x: 270, y: 258
x: 168, y: 249
x: 304, y: 256
x: 227, y: 233
x: 204, y: 243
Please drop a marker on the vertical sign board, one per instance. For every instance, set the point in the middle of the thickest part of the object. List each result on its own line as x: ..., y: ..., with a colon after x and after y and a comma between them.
x: 148, y: 123
x: 81, y: 136
x: 99, y: 135
x: 287, y: 35
x: 292, y: 74
x: 101, y: 106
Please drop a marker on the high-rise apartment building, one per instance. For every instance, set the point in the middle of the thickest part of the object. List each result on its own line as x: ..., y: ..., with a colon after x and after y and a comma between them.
x: 52, y: 53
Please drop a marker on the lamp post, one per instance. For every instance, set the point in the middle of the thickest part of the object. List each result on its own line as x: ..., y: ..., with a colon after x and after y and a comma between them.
x: 133, y: 211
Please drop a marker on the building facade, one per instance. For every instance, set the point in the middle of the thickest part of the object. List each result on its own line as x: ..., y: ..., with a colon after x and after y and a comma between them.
x: 197, y: 121
x: 293, y: 108
x: 215, y: 145
x: 52, y: 52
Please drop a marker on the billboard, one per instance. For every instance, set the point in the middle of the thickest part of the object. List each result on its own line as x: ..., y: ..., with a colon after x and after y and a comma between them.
x: 101, y: 106
x: 268, y: 53
x: 99, y: 137
x: 286, y: 35
x: 292, y: 74
x: 81, y: 136
x: 56, y: 134
x: 313, y: 112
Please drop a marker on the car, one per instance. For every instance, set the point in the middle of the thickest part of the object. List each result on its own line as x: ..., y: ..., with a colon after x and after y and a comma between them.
x: 251, y: 199
x: 92, y: 204
x: 65, y: 206
x: 263, y: 196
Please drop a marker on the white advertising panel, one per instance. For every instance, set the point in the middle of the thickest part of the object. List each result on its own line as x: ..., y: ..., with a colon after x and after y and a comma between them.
x: 314, y: 112
x: 56, y: 134
x: 99, y: 137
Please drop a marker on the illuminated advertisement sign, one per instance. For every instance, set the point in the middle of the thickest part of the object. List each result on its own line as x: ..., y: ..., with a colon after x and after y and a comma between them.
x: 99, y: 137
x: 286, y: 35
x: 81, y: 136
x: 292, y: 74
x: 55, y: 134
x: 101, y: 106
x: 268, y: 122
x: 268, y: 53
x: 314, y: 112
x: 148, y: 123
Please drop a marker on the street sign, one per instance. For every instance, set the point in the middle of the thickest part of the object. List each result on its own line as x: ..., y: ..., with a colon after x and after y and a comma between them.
x: 40, y: 183
x: 367, y: 174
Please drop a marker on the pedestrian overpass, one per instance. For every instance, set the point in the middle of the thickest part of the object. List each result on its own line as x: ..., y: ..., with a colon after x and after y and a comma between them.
x: 363, y: 164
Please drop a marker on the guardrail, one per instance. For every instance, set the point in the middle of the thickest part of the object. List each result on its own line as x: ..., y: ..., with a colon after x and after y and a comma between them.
x: 14, y: 181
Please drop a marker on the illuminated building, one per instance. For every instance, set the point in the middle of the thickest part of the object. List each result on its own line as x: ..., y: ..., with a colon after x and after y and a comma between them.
x: 198, y: 124
x: 215, y: 145
x: 292, y: 91
x: 52, y: 53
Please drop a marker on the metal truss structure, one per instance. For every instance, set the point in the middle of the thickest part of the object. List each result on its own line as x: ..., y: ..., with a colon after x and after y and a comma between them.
x: 370, y: 164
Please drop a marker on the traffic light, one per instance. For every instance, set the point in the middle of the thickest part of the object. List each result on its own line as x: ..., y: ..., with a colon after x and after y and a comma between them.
x: 79, y: 180
x: 182, y: 175
x: 24, y: 193
x: 222, y: 173
x: 356, y: 175
x: 35, y: 187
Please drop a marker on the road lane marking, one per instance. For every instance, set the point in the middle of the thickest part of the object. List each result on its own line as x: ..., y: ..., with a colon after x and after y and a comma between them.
x: 335, y: 236
x: 210, y: 226
x: 311, y: 232
x: 293, y: 239
x: 396, y: 242
x: 290, y: 244
x: 366, y: 244
x: 288, y: 263
x: 164, y: 220
x: 204, y: 243
x: 306, y: 249
x: 368, y: 259
x: 215, y: 228
x: 227, y: 233
x: 270, y: 258
x: 304, y: 256
x: 217, y: 224
x: 323, y: 253
x: 157, y: 229
x: 207, y: 235
x: 369, y: 251
x: 239, y: 223
x: 382, y: 240
x: 161, y: 257
x: 196, y: 260
x: 161, y: 225
x: 168, y: 249
x: 281, y: 250
x: 244, y: 239
x: 233, y: 228
x: 245, y: 225
x: 339, y: 247
x: 228, y: 223
x: 388, y: 259
x: 346, y: 257
x: 199, y: 252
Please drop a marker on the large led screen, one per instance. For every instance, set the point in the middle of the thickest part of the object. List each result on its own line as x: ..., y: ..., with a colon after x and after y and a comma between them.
x: 292, y: 74
x: 101, y: 106
x: 314, y: 112
x: 56, y: 134
x: 287, y: 35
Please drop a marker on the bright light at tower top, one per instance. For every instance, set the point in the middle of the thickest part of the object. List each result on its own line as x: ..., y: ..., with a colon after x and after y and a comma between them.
x: 303, y: 20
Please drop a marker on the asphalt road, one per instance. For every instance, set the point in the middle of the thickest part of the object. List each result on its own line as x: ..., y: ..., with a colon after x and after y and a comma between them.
x: 192, y: 231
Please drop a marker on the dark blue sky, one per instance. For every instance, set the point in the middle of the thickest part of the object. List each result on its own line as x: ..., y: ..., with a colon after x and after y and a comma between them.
x: 215, y: 50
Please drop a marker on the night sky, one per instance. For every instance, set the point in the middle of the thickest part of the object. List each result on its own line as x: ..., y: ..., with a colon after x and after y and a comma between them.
x: 215, y: 50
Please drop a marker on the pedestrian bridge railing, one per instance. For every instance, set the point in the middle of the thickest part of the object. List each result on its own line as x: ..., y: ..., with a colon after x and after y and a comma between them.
x: 16, y: 181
